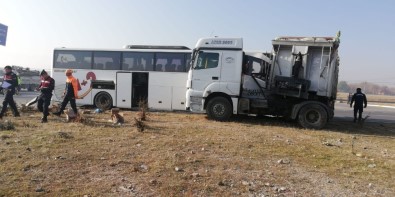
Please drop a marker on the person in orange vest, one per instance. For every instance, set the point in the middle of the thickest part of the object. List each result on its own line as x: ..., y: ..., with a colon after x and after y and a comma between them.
x: 70, y: 93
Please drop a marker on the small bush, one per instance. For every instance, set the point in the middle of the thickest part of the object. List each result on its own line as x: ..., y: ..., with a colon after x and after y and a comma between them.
x: 27, y: 124
x: 139, y: 124
x: 7, y: 125
x: 143, y: 108
x: 64, y: 135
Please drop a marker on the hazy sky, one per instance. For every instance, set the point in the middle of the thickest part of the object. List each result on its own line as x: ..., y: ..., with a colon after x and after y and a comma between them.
x: 36, y: 27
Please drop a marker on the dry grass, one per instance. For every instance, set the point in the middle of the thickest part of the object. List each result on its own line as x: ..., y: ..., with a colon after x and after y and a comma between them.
x: 247, y: 156
x: 342, y: 96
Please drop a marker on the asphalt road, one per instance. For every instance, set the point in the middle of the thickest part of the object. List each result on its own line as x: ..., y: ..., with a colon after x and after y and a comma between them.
x: 376, y: 113
x: 23, y: 97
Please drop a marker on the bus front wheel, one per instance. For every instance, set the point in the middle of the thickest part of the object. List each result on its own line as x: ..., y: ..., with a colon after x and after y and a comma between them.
x: 103, y: 100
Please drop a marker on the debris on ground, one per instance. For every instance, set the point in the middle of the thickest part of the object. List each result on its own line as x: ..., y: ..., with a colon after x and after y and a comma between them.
x: 116, y: 117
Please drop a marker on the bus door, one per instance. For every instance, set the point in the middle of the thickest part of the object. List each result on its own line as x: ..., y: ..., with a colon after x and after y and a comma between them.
x: 124, y: 90
x: 139, y: 88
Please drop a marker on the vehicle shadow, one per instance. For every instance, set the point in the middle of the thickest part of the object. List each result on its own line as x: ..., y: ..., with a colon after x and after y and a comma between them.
x: 374, y: 127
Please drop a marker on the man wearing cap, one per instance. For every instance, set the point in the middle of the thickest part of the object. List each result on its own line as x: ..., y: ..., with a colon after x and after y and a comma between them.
x: 9, y: 83
x: 46, y: 87
x: 360, y: 103
x: 70, y: 93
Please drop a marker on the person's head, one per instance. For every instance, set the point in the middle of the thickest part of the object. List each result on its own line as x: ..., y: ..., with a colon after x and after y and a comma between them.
x: 299, y: 57
x: 359, y: 90
x: 7, y: 69
x: 69, y: 72
x: 44, y: 74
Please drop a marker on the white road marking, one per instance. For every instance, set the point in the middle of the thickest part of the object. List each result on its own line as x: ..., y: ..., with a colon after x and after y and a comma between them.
x: 384, y: 106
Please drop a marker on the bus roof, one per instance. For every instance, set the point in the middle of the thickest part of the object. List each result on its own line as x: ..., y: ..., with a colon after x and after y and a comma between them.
x: 126, y: 50
x: 156, y: 47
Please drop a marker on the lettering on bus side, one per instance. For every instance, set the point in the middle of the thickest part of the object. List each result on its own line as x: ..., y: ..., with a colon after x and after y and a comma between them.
x: 222, y: 42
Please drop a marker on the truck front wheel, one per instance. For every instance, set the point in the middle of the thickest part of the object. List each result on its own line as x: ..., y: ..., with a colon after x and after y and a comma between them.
x: 313, y: 116
x: 219, y: 108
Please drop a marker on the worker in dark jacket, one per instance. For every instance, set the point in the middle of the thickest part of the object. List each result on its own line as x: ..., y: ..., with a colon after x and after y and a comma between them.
x: 46, y: 87
x: 360, y: 103
x: 9, y: 84
x: 70, y: 93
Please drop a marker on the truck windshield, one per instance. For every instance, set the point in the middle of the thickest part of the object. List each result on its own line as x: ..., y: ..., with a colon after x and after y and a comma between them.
x: 206, y: 60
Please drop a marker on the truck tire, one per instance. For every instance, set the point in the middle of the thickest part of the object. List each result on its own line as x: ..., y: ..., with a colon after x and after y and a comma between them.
x: 219, y: 108
x: 103, y: 101
x: 313, y: 116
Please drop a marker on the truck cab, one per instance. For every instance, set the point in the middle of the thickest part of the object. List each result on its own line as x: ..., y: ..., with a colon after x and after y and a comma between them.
x: 215, y: 72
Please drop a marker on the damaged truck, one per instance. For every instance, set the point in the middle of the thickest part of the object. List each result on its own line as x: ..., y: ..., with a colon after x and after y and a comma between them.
x: 297, y: 80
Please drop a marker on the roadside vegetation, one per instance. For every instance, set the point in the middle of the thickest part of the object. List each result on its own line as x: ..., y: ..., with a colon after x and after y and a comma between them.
x: 372, y: 98
x: 182, y: 154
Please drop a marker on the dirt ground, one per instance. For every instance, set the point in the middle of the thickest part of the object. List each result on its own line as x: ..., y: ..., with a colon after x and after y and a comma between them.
x: 183, y: 154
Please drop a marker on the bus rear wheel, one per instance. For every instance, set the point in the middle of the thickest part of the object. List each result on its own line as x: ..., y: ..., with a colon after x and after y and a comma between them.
x: 313, y: 116
x: 103, y: 100
x: 219, y: 108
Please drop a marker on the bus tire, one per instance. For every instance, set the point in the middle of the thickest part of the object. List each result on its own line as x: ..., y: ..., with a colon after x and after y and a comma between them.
x: 313, y: 116
x: 103, y: 100
x: 219, y: 108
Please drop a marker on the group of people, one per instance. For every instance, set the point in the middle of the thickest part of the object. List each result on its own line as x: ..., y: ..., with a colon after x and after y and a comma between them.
x: 46, y: 87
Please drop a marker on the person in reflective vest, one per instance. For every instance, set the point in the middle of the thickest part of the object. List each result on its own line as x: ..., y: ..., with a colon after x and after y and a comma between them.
x: 360, y: 103
x: 70, y: 93
x: 18, y: 87
x: 9, y: 84
x: 46, y: 87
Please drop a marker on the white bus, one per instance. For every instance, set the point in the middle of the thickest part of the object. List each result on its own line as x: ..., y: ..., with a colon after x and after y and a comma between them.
x: 122, y: 78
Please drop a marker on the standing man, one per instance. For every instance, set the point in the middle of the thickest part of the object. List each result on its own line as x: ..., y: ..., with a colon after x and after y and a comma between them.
x: 44, y: 100
x: 360, y: 100
x: 70, y: 93
x: 10, y: 82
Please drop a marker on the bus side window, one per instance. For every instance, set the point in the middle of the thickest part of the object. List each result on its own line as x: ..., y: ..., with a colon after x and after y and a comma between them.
x: 110, y: 66
x: 147, y: 61
x: 158, y: 67
x: 124, y: 65
x: 138, y: 67
x: 148, y: 67
x: 171, y: 68
x: 99, y: 66
x: 107, y: 60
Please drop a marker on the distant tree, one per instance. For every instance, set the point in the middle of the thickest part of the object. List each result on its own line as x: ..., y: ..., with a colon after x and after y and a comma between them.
x: 371, y: 88
x: 343, y: 86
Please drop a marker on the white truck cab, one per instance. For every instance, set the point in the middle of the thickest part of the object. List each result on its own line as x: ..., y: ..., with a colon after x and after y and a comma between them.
x: 215, y: 72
